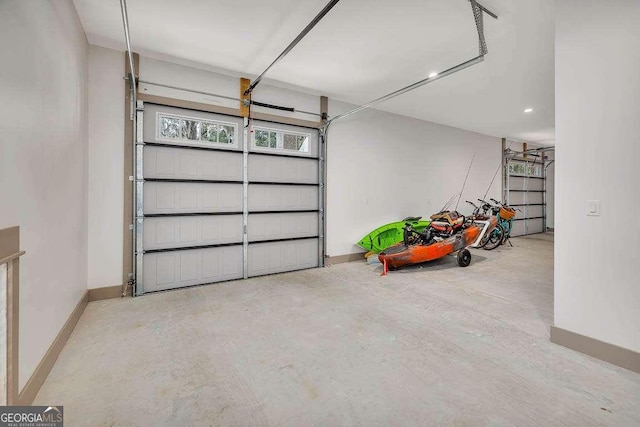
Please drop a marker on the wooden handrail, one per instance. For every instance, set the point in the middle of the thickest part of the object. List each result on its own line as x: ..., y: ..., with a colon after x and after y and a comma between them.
x: 12, y: 257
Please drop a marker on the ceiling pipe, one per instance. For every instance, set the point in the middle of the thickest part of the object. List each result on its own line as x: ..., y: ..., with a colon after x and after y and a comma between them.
x: 477, y: 15
x: 409, y: 88
x: 293, y: 44
x: 125, y: 22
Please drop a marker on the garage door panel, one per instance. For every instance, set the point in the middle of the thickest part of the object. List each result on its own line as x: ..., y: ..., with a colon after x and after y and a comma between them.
x: 529, y: 226
x: 282, y: 197
x: 189, y: 197
x: 282, y: 226
x: 187, y: 231
x: 277, y: 257
x: 516, y: 182
x: 188, y: 164
x: 520, y: 198
x: 518, y: 228
x: 535, y: 226
x: 176, y: 269
x: 282, y: 169
x: 530, y: 211
x: 533, y: 197
x: 516, y: 198
x: 535, y: 184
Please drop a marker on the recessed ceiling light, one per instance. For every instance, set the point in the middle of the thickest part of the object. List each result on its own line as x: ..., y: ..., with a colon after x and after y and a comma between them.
x: 528, y: 110
x: 432, y: 75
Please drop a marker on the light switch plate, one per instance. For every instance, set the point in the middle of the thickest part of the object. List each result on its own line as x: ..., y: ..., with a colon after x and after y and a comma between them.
x: 593, y: 207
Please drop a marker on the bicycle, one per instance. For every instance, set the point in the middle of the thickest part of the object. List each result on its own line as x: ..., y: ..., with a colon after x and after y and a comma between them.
x: 506, y: 215
x: 493, y: 238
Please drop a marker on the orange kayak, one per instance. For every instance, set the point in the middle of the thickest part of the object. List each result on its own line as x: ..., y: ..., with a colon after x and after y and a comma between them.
x: 400, y: 255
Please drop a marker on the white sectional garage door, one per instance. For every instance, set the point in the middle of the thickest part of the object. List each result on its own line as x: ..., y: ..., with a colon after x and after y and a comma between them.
x: 201, y: 219
x: 526, y: 192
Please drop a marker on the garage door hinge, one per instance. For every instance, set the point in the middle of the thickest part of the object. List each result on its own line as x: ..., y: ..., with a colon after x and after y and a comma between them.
x: 130, y: 177
x: 244, y: 228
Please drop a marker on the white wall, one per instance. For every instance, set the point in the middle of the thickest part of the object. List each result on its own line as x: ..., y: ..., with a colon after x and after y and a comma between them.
x: 383, y: 167
x: 106, y: 166
x: 43, y: 158
x: 597, y: 273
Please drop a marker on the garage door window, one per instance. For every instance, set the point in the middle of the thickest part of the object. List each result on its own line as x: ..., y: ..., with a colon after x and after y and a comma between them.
x: 271, y: 139
x: 175, y: 128
x: 522, y: 168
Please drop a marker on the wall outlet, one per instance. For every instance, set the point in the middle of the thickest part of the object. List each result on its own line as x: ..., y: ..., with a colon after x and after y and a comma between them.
x: 593, y: 207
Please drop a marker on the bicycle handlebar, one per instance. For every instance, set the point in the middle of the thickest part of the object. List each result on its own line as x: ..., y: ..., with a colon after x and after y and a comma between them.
x: 503, y: 205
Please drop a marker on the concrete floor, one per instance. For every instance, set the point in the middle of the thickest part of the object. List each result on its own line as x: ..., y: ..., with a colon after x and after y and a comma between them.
x: 432, y: 345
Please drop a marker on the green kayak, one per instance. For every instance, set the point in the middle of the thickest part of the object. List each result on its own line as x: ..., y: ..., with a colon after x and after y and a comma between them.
x: 383, y: 237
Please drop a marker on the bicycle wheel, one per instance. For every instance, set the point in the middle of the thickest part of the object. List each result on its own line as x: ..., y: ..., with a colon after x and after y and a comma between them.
x: 507, y: 232
x: 495, y: 238
x: 484, y: 241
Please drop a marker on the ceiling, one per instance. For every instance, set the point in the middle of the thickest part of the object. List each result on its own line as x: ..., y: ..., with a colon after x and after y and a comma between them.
x: 361, y: 50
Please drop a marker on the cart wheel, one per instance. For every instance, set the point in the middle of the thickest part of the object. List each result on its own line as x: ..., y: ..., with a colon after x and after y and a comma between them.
x: 464, y: 257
